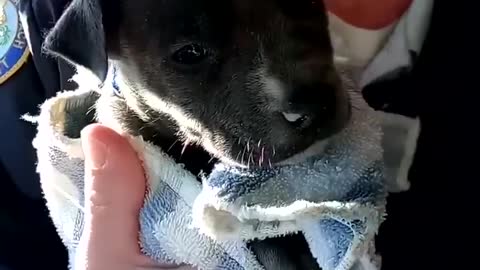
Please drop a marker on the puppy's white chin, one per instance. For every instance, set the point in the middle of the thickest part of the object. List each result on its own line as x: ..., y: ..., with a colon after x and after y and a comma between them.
x: 316, y: 148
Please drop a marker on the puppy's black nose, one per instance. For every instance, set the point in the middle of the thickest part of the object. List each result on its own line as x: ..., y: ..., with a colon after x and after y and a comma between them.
x: 310, y: 106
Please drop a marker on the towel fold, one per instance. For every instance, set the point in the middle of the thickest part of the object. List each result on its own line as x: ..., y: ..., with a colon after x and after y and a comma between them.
x: 336, y: 200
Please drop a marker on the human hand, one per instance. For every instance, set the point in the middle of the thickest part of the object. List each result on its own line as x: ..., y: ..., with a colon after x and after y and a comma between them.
x: 114, y: 191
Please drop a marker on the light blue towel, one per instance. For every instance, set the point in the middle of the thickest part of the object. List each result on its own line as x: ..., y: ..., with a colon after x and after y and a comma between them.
x: 336, y: 199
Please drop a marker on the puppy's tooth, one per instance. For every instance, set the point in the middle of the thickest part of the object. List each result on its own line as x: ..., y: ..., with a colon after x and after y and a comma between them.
x: 292, y: 117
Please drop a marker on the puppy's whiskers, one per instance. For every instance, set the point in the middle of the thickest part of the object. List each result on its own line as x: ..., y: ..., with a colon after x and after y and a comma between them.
x: 153, y: 121
x: 91, y: 109
x: 250, y: 157
x: 262, y: 156
x: 185, y: 144
x: 173, y: 144
x: 238, y: 155
x: 243, y: 154
x: 150, y: 123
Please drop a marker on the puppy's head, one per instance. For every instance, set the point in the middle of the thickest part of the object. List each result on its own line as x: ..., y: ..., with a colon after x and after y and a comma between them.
x: 252, y: 81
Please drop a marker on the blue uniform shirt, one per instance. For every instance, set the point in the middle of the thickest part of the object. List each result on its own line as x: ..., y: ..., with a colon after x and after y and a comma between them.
x: 27, y: 79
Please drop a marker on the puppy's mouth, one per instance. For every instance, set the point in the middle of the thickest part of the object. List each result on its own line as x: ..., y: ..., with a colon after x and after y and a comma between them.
x: 255, y: 155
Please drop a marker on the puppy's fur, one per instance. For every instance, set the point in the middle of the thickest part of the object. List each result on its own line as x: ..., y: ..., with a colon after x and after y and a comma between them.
x: 252, y: 82
x: 222, y: 74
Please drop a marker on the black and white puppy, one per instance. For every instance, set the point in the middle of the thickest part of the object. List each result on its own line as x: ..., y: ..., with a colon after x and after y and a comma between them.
x: 251, y: 82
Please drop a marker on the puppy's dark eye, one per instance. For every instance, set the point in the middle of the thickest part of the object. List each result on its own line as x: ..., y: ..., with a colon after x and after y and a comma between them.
x: 190, y: 54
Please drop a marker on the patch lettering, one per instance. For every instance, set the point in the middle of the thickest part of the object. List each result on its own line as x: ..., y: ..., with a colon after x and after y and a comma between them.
x: 14, y: 50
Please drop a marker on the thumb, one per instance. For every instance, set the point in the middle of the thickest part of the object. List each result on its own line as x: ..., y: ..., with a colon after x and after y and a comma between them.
x: 114, y: 192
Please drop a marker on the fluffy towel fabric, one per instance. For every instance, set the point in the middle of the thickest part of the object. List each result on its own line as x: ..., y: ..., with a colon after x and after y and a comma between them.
x: 337, y: 200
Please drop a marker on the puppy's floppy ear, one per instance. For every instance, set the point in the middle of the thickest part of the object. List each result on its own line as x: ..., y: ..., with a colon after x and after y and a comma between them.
x: 79, y: 37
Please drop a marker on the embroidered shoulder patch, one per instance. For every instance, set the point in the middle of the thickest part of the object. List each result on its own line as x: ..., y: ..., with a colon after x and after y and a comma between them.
x: 13, y: 42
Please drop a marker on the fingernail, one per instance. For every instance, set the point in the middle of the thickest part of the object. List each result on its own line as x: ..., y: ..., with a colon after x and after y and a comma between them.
x: 95, y: 152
